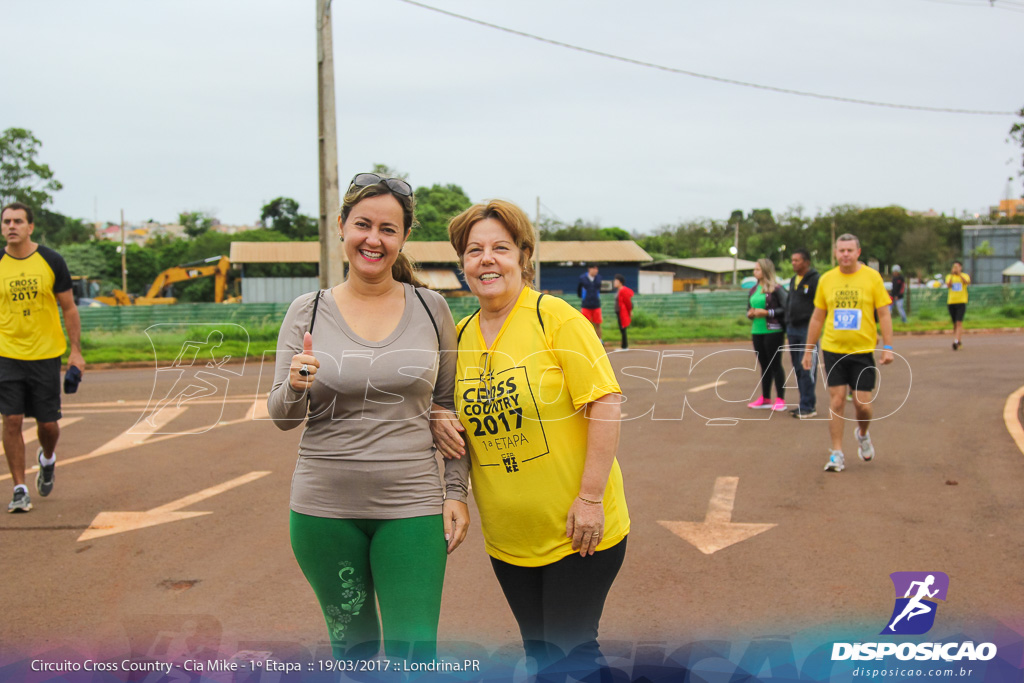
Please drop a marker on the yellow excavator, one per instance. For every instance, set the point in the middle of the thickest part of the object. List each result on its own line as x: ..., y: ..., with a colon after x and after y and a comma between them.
x: 215, y: 266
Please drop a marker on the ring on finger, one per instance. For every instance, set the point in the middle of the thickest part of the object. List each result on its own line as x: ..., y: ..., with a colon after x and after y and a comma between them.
x: 304, y: 370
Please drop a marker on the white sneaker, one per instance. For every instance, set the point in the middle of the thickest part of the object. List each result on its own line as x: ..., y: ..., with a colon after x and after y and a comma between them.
x: 865, y: 450
x: 836, y: 462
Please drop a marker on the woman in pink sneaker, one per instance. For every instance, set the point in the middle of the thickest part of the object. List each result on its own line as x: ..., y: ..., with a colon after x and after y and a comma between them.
x: 766, y: 306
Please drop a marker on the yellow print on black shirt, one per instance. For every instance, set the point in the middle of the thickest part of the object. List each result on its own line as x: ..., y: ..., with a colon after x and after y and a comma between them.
x: 501, y: 418
x: 23, y: 293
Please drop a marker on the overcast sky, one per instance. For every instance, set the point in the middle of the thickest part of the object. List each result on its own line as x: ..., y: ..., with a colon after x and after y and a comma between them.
x: 162, y: 106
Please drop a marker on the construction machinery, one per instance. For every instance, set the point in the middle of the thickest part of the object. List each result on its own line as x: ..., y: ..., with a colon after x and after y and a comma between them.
x: 87, y: 293
x: 215, y: 266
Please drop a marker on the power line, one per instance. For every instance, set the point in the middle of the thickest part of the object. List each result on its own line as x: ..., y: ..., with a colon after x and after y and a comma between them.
x: 985, y: 4
x: 719, y: 79
x: 552, y: 213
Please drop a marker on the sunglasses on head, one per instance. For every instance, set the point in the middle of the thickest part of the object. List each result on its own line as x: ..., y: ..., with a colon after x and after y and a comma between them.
x: 396, y: 185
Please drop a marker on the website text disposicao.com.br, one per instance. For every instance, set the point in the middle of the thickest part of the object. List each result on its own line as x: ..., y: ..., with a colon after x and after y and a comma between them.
x: 955, y: 672
x: 950, y: 652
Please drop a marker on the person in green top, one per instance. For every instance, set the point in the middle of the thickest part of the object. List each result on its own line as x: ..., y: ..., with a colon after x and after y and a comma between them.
x: 766, y: 307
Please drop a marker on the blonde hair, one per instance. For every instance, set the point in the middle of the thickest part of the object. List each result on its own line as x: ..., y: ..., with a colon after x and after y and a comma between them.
x: 514, y: 220
x: 404, y: 268
x: 767, y: 275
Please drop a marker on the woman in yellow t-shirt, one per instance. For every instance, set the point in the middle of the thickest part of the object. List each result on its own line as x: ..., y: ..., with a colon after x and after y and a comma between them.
x: 957, y: 282
x: 538, y: 404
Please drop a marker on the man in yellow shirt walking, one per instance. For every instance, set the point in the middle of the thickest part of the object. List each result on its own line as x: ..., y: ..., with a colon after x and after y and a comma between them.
x: 957, y: 282
x: 845, y: 304
x: 34, y: 283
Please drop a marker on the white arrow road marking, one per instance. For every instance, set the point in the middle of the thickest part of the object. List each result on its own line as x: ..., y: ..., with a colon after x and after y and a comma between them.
x: 109, y: 523
x: 1013, y: 425
x: 717, y: 531
x: 710, y: 385
x: 257, y: 411
x: 30, y: 435
x: 143, y: 432
x: 123, y: 442
x: 123, y: 406
x: 126, y: 440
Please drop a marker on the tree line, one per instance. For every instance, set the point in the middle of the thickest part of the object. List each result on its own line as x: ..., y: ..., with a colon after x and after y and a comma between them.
x: 920, y: 244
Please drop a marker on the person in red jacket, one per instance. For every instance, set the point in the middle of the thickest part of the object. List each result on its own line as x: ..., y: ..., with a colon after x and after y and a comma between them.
x: 623, y: 307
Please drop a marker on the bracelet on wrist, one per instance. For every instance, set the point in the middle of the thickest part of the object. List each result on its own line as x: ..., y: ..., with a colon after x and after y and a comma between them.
x: 887, y: 347
x: 589, y: 502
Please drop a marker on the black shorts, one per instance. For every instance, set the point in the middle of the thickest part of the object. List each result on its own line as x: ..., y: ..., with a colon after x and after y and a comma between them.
x: 30, y: 388
x: 855, y: 370
x: 956, y: 312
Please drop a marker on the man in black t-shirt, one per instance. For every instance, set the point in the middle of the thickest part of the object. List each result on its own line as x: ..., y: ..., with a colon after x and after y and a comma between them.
x: 34, y: 284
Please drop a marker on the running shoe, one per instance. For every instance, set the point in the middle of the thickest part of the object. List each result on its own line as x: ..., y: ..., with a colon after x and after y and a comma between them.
x: 779, y: 405
x: 20, y: 503
x: 760, y: 404
x: 836, y: 462
x: 807, y: 414
x: 849, y: 396
x: 44, y: 480
x: 864, y: 448
x: 955, y: 344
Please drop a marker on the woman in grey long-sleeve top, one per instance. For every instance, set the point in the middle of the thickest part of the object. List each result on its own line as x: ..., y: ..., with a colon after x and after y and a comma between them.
x: 370, y: 521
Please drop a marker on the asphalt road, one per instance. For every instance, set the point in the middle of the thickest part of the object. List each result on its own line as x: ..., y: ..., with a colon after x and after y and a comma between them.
x: 943, y: 494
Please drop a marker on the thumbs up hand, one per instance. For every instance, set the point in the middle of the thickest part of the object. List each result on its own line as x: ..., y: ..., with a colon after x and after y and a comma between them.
x: 304, y: 366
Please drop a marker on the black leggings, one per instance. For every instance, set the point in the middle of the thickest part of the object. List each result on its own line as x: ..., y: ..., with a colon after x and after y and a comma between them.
x: 768, y: 356
x: 558, y: 606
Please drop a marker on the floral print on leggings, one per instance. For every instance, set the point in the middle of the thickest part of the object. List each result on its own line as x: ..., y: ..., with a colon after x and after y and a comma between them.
x: 354, y: 594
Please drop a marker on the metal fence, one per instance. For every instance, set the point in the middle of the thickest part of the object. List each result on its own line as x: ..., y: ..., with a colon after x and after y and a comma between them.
x: 276, y: 289
x: 119, y: 318
x: 662, y: 306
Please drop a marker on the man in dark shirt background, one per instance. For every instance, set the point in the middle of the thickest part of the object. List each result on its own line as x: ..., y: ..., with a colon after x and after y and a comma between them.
x: 899, y: 290
x: 589, y: 289
x: 799, y: 307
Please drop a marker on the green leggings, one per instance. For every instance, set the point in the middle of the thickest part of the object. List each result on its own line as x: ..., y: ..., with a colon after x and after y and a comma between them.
x: 400, y: 561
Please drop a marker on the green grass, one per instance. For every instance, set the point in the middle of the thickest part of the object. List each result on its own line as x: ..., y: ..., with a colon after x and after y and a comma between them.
x: 165, y: 342
x: 676, y: 330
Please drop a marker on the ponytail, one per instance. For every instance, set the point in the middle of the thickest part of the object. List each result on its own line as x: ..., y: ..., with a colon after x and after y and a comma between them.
x: 404, y: 270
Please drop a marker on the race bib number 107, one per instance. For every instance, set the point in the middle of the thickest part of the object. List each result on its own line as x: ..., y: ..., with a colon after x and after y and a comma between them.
x: 846, y: 318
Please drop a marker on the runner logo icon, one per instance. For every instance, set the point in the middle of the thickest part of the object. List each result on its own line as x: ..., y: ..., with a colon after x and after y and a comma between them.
x: 914, y: 612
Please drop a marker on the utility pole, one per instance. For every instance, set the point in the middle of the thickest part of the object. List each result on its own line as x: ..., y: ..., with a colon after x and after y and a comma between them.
x: 124, y: 258
x: 332, y: 255
x: 536, y: 249
x: 832, y: 245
